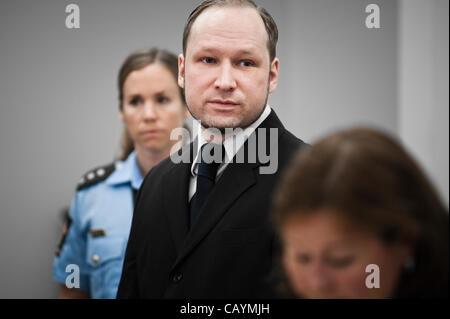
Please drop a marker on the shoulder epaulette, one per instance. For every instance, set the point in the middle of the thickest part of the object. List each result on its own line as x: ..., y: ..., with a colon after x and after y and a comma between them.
x: 96, y: 175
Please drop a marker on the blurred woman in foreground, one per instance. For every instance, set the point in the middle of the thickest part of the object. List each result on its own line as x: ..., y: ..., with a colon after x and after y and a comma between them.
x: 359, y: 219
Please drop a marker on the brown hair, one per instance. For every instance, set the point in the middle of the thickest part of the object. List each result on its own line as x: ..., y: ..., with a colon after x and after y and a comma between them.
x: 136, y: 61
x: 368, y: 179
x: 269, y: 23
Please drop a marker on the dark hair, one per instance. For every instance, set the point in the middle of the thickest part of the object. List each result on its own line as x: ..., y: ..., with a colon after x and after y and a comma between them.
x: 367, y: 178
x: 136, y: 61
x: 269, y: 23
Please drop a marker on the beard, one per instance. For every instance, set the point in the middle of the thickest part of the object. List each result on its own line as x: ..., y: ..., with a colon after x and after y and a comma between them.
x: 242, y: 120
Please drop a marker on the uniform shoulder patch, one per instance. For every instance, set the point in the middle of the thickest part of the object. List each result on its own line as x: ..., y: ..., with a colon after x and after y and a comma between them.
x: 96, y: 175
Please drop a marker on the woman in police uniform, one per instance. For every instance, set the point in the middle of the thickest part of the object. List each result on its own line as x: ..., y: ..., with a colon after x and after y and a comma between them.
x: 151, y: 105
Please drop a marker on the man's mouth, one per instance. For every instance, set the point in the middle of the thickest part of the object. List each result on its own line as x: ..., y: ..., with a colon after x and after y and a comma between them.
x: 223, y: 104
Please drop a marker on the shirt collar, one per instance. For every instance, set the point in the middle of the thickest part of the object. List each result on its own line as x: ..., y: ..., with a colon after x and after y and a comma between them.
x: 232, y: 143
x: 127, y: 172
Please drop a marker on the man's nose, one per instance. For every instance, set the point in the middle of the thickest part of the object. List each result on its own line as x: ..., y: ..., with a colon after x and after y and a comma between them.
x: 225, y: 79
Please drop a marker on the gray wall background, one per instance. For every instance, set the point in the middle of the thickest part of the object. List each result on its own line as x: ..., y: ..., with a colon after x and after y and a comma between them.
x: 58, y: 97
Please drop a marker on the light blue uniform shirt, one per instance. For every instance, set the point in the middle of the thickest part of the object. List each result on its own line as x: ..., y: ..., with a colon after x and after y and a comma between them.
x: 97, y: 237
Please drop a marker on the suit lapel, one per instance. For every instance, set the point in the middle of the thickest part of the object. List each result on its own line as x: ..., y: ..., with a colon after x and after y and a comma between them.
x: 236, y: 179
x: 175, y: 193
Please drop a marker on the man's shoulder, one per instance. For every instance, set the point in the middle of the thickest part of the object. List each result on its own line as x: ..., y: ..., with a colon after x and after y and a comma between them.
x: 161, y: 168
x: 290, y: 140
x: 286, y: 138
x: 169, y: 163
x: 288, y: 146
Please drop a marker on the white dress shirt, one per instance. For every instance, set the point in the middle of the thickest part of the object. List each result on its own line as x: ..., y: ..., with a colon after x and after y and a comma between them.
x: 232, y: 144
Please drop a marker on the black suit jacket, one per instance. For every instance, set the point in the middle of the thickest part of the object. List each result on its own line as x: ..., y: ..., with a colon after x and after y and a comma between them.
x: 227, y: 253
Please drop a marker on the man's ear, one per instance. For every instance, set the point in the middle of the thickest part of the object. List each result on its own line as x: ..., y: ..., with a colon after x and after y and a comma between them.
x: 273, y: 75
x: 181, y: 71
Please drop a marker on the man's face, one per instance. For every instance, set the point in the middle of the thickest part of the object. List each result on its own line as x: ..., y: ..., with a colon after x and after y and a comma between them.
x: 226, y: 73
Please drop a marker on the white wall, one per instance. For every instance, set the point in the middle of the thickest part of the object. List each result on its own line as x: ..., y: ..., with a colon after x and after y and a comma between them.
x: 423, y: 86
x: 335, y: 72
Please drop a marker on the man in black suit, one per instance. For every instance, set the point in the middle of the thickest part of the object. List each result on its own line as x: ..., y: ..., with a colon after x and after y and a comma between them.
x: 202, y: 229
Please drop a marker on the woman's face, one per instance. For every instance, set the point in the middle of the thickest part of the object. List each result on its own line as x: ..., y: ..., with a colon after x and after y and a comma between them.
x: 323, y: 259
x: 152, y: 107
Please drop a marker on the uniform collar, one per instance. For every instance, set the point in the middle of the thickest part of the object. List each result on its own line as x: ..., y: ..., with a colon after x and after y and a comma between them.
x: 232, y: 143
x: 127, y: 172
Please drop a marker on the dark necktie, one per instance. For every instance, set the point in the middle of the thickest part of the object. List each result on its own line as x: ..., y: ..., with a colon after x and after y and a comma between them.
x: 206, y: 176
x: 135, y: 192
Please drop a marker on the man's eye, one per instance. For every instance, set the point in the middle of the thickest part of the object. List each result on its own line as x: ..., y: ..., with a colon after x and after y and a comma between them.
x: 340, y: 262
x: 208, y: 60
x: 246, y: 63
